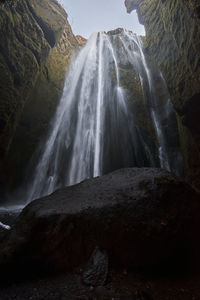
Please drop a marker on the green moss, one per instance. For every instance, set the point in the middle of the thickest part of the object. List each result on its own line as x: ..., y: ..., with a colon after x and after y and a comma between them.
x: 33, y: 69
x: 173, y: 41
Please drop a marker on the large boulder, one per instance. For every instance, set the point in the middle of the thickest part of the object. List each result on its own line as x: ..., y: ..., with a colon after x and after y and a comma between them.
x: 138, y: 217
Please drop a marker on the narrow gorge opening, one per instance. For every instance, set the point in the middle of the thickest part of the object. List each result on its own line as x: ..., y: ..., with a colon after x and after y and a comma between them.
x: 115, y: 110
x: 93, y: 16
x: 114, y: 113
x: 99, y: 149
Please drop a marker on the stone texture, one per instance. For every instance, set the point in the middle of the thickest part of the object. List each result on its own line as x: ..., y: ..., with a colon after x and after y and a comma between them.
x: 139, y: 217
x: 141, y: 99
x: 173, y: 40
x: 36, y: 44
x: 96, y: 273
x: 81, y: 40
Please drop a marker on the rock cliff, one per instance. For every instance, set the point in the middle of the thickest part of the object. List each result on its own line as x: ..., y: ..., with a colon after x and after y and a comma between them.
x: 81, y: 40
x: 36, y: 43
x: 173, y: 40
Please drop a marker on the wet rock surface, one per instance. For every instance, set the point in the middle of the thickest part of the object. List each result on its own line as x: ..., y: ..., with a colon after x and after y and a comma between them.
x: 168, y: 25
x: 138, y: 217
x: 97, y: 270
x: 8, y: 216
x: 34, y: 54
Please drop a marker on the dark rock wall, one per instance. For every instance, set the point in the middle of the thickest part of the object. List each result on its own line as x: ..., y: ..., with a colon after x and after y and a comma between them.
x: 36, y: 43
x: 173, y: 40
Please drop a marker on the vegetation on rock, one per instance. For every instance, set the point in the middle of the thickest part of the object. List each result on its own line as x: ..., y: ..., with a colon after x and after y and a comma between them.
x: 36, y: 44
x: 173, y: 40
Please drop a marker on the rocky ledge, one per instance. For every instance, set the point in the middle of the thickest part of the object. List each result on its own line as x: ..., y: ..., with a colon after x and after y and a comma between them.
x: 136, y: 218
x: 81, y: 40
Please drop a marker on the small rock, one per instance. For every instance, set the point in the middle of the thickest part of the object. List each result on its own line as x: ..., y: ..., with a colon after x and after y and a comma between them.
x: 97, y: 271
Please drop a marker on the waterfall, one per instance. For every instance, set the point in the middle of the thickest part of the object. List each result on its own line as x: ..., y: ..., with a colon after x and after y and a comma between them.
x: 95, y: 128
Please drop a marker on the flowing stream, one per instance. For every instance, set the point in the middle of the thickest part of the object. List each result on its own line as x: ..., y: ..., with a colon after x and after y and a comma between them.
x: 95, y: 128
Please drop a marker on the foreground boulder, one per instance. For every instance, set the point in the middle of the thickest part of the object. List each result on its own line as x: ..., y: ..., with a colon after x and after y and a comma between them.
x: 139, y: 217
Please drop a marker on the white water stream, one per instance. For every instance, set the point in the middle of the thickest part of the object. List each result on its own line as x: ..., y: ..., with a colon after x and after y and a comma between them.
x: 93, y: 131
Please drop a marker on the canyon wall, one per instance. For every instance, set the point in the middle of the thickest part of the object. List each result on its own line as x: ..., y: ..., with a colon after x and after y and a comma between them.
x: 173, y: 40
x: 36, y: 43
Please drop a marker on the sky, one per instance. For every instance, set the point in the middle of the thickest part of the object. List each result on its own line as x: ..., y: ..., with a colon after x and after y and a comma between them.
x: 88, y: 16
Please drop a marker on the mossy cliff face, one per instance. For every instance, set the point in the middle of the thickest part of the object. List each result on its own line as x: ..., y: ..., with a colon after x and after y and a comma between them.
x: 36, y: 43
x: 81, y: 40
x: 173, y: 40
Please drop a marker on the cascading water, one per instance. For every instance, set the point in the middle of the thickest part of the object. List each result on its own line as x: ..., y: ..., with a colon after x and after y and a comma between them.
x: 94, y: 130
